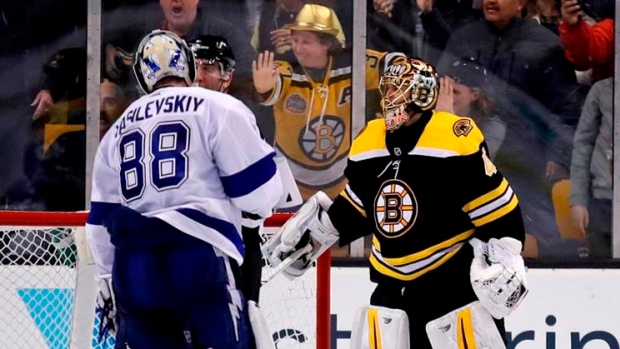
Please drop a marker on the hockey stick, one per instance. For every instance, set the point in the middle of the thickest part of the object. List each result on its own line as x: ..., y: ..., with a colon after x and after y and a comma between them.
x: 273, y: 271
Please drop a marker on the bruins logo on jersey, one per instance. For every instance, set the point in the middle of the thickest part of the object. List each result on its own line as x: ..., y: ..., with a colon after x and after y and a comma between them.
x: 396, y: 208
x: 462, y: 127
x: 321, y: 144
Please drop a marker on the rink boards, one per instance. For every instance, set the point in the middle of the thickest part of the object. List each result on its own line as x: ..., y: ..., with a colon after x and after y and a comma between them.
x: 566, y: 309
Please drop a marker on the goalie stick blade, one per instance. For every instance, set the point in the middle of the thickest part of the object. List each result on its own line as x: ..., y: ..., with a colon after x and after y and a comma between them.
x: 286, y: 262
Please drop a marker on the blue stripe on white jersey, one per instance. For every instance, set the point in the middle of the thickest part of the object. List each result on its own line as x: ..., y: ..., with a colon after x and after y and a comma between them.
x: 217, y: 232
x: 249, y: 179
x: 195, y: 164
x: 225, y: 228
x: 99, y: 211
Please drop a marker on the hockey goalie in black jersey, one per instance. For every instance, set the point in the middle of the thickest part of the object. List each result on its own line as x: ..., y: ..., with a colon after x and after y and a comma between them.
x: 446, y: 225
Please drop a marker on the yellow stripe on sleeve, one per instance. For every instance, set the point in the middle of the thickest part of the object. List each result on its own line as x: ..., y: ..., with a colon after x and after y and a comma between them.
x: 490, y: 217
x: 353, y: 203
x: 490, y: 196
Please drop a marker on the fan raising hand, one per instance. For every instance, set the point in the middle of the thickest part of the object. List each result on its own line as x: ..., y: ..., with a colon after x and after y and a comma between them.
x: 264, y: 72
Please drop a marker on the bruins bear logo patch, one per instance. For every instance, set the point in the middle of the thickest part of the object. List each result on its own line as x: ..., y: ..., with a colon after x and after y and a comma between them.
x: 462, y: 127
x: 396, y: 208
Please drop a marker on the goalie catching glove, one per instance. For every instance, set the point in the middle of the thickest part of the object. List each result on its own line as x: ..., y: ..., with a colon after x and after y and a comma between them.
x: 303, y: 238
x: 498, y: 275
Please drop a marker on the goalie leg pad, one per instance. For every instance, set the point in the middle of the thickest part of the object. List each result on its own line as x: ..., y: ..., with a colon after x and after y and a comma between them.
x: 262, y: 336
x: 471, y: 326
x: 377, y: 327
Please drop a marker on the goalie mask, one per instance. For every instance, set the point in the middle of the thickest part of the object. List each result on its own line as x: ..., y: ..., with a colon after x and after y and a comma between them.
x: 407, y: 87
x: 163, y: 54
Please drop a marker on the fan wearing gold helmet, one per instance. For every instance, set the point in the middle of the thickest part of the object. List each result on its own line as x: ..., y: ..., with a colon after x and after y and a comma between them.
x: 311, y: 98
x: 446, y: 226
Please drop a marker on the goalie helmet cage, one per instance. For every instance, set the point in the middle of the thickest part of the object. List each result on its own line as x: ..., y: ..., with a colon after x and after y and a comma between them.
x: 47, y: 293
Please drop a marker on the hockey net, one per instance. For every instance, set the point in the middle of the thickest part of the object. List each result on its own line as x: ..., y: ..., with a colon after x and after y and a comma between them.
x: 47, y: 294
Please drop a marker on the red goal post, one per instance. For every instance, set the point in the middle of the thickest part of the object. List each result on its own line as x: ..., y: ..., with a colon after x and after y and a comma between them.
x: 48, y: 294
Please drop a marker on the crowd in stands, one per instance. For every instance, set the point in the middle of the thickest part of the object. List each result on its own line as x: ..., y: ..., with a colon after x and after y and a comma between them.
x: 535, y: 75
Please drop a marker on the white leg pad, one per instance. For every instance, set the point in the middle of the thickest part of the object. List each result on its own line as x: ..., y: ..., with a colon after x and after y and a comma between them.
x: 262, y: 335
x: 380, y: 328
x: 468, y: 327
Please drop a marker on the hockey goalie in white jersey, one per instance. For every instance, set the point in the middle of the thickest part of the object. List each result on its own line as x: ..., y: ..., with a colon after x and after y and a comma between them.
x: 170, y: 180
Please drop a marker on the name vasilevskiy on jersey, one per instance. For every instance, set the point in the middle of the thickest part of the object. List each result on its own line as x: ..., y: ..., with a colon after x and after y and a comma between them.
x: 170, y: 104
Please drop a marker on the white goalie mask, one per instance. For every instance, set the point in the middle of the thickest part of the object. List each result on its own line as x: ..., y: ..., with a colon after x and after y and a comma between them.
x: 163, y: 54
x: 407, y: 86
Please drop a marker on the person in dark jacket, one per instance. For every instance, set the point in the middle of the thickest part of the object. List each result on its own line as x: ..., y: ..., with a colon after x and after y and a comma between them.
x: 536, y: 90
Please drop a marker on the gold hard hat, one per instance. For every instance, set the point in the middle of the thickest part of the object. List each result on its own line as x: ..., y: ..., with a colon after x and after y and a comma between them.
x: 316, y: 18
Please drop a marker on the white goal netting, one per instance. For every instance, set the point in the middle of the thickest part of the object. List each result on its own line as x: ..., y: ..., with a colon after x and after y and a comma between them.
x: 295, y: 309
x: 40, y: 278
x: 37, y: 269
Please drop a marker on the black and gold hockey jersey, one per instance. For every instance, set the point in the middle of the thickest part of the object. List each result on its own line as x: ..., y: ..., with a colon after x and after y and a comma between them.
x: 313, y: 119
x: 423, y: 191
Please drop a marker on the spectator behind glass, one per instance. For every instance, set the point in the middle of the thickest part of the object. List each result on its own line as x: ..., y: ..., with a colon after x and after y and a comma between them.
x: 545, y: 12
x: 589, y: 46
x: 392, y: 26
x: 58, y: 181
x: 127, y: 25
x: 536, y: 92
x: 439, y: 18
x: 312, y: 99
x: 591, y: 169
x: 465, y: 87
x: 64, y: 80
x: 270, y: 34
x: 30, y: 32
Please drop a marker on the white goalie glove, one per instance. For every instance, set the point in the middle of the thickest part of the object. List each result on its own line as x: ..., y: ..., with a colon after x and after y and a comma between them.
x: 302, y: 239
x: 498, y: 275
x: 106, y: 308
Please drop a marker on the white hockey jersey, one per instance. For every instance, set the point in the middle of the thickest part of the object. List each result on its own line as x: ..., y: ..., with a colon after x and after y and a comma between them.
x: 189, y: 156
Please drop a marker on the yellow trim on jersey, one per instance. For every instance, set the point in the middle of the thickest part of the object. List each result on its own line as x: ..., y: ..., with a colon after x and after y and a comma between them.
x: 371, y: 139
x: 466, y: 338
x: 493, y: 215
x: 486, y: 198
x: 53, y: 131
x: 408, y: 277
x: 400, y: 261
x: 439, y: 134
x: 356, y: 206
x: 374, y: 330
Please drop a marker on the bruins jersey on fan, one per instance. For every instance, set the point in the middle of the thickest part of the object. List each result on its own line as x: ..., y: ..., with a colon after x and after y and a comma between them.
x: 423, y: 191
x: 313, y: 119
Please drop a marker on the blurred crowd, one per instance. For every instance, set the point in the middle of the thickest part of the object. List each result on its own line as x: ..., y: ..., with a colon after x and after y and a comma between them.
x: 535, y: 75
